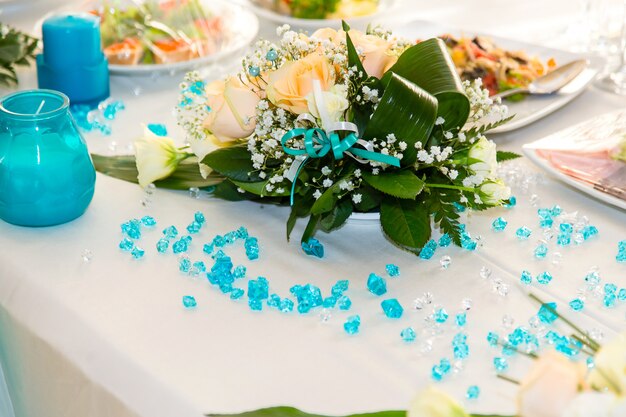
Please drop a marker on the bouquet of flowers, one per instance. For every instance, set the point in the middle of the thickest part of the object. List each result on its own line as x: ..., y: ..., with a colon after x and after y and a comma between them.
x: 343, y: 121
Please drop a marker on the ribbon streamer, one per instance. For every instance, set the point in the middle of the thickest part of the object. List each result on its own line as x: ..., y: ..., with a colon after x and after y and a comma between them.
x: 318, y: 142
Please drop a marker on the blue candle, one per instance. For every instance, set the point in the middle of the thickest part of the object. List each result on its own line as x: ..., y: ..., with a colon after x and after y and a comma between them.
x: 46, y: 174
x: 72, y: 61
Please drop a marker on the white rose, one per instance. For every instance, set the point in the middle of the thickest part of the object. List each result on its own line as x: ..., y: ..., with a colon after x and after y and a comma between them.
x: 156, y: 157
x: 484, y: 151
x: 609, y: 371
x: 434, y: 403
x: 549, y: 387
x: 335, y: 102
x: 592, y: 404
x: 493, y: 192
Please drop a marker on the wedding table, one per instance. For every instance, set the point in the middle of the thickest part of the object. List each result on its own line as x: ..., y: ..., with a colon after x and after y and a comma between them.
x: 108, y: 335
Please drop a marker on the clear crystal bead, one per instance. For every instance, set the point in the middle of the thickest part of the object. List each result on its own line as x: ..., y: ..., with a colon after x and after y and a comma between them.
x: 113, y: 146
x: 194, y: 192
x: 445, y: 261
x: 325, y: 315
x: 87, y: 255
x: 557, y: 258
x: 428, y: 298
x: 426, y: 346
x: 507, y: 321
x: 418, y: 304
x: 149, y: 189
x: 596, y: 334
x: 485, y: 272
x: 467, y: 303
x: 548, y: 234
x: 534, y: 322
x: 534, y: 200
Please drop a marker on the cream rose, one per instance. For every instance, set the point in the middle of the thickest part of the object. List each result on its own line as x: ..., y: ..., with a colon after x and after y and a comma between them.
x: 374, y: 52
x: 335, y: 103
x: 493, y: 192
x: 434, y: 403
x: 609, y: 371
x: 156, y: 157
x: 233, y: 110
x: 289, y: 86
x: 549, y: 387
x: 484, y: 152
x: 592, y: 404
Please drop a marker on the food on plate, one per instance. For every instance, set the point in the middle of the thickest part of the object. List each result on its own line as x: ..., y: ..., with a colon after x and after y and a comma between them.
x: 321, y: 9
x: 158, y: 31
x: 498, y: 68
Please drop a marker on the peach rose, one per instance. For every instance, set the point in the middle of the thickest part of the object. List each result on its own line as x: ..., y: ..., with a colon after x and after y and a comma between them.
x: 374, y: 52
x: 329, y: 34
x: 289, y: 86
x: 552, y: 383
x: 233, y: 110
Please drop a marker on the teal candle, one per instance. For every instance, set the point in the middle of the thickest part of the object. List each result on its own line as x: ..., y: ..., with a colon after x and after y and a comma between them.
x: 46, y: 173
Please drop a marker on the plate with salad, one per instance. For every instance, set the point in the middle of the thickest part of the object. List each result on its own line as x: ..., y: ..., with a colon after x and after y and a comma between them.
x: 146, y: 36
x: 504, y: 64
x: 316, y: 14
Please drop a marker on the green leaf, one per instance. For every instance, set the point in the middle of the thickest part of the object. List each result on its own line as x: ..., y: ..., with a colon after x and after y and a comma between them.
x: 401, y: 184
x: 405, y: 222
x: 370, y: 199
x: 506, y: 156
x: 226, y: 190
x: 294, y: 412
x: 482, y: 128
x: 429, y: 65
x: 405, y: 110
x: 233, y: 162
x: 353, y: 56
x: 327, y: 201
x: 258, y: 188
x: 311, y: 227
x: 337, y: 216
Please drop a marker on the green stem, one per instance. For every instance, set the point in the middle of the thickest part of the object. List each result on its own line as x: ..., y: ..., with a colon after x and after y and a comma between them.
x: 450, y: 187
x: 508, y: 379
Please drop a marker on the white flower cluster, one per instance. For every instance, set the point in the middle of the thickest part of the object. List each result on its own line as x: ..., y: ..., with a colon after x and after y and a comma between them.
x: 483, y: 109
x: 390, y: 146
x: 436, y: 154
x: 192, y: 110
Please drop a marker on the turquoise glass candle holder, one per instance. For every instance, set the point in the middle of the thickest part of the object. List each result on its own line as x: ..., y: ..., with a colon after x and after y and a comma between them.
x: 46, y: 174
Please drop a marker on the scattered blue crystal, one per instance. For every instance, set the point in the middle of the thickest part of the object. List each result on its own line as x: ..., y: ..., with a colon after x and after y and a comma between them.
x: 621, y: 295
x: 199, y: 266
x: 271, y: 55
x: 592, y: 278
x: 440, y: 315
x: 512, y: 202
x: 392, y: 270
x: 461, y: 319
x: 500, y: 364
x: 436, y: 373
x: 546, y: 223
x: 255, y: 305
x: 499, y: 224
x: 577, y: 304
x: 458, y: 207
x: 180, y: 246
x: 344, y: 303
x: 566, y: 228
x: 460, y: 348
x: 590, y: 362
x: 610, y: 300
x: 208, y: 248
x: 148, y: 221
x: 189, y: 301
x: 392, y: 308
x: 241, y: 233
x: 440, y: 370
x: 158, y: 129
x: 313, y: 247
x: 408, y: 334
x: 194, y: 227
x: 170, y: 232
x: 376, y: 284
x: 544, y: 278
x: 230, y: 237
x: 473, y: 392
x: 274, y: 301
x: 184, y: 265
x: 219, y: 255
x: 523, y: 233
x: 445, y: 240
x: 252, y: 248
x: 162, y: 245
x: 219, y: 241
x: 428, y: 251
x: 541, y: 251
x: 589, y: 231
x: 340, y: 287
x: 254, y: 71
x: 352, y: 324
x: 547, y: 313
x: 329, y: 302
x: 492, y: 339
x: 563, y: 239
x: 126, y: 245
x: 137, y: 252
x: 621, y: 256
x: 132, y: 229
x: 610, y: 288
x: 286, y: 305
x: 199, y: 217
x: 239, y: 272
x: 526, y: 278
x: 258, y: 289
x: 236, y: 293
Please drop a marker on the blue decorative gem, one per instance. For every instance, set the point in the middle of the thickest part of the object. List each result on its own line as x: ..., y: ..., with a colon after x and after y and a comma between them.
x: 208, y: 248
x: 392, y: 308
x: 461, y: 319
x: 126, y: 245
x: 547, y: 313
x: 577, y: 304
x: 541, y: 251
x: 428, y: 250
x: 523, y: 233
x: 499, y: 224
x: 473, y: 392
x: 313, y: 248
x: 180, y: 246
x: 219, y: 241
x: 148, y: 221
x: 445, y: 240
x: 189, y: 301
x: 340, y: 287
x: 526, y: 278
x: 170, y: 232
x: 609, y: 300
x: 271, y: 55
x: 344, y: 303
x: 492, y: 339
x: 610, y: 288
x: 286, y: 305
x: 239, y: 272
x: 162, y: 245
x: 408, y: 335
x: 199, y: 217
x: 254, y: 71
x: 258, y: 289
x: 458, y: 207
x: 512, y: 202
x: 622, y: 294
x: 546, y: 223
x: 436, y: 373
x: 563, y: 239
x: 255, y: 305
x: 252, y: 248
x: 158, y: 129
x: 352, y: 324
x: 137, y: 252
x: 440, y: 315
x: 544, y: 278
x: 236, y: 293
x: 589, y: 231
x: 132, y: 229
x: 500, y: 364
x: 376, y: 284
x: 194, y: 227
x: 199, y: 266
x: 556, y: 210
x: 392, y: 270
x: 329, y: 302
x: 274, y: 301
x: 184, y: 265
x: 566, y: 228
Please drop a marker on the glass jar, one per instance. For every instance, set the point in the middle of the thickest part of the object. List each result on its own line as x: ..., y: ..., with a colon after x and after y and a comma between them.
x: 46, y: 174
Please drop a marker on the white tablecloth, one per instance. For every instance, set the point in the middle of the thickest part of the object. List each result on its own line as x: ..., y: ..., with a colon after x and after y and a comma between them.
x: 110, y: 337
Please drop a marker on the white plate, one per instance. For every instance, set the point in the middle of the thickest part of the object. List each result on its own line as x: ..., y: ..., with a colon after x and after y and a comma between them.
x: 532, y: 108
x: 384, y: 7
x: 243, y: 26
x: 601, y: 126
